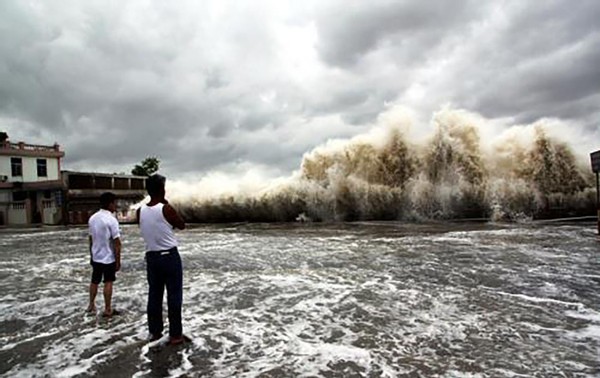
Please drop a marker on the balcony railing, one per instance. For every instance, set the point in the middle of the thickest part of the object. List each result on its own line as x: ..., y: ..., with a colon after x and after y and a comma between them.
x: 47, y: 204
x: 18, y: 205
x: 28, y: 147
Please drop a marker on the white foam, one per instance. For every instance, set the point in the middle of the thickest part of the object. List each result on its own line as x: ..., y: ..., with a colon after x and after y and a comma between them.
x: 310, y: 304
x: 186, y: 365
x: 577, y: 305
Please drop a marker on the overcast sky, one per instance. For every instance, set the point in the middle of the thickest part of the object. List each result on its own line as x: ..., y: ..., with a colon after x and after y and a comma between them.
x: 226, y: 86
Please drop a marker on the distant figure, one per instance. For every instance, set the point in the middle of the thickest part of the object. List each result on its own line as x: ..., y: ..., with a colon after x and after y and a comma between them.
x: 157, y: 219
x: 105, y: 251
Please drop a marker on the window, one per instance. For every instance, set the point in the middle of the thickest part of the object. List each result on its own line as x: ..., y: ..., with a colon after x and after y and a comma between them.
x: 42, y: 168
x: 16, y: 166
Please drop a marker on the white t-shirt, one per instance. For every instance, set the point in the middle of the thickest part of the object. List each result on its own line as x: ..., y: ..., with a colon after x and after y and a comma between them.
x: 156, y: 230
x: 104, y: 229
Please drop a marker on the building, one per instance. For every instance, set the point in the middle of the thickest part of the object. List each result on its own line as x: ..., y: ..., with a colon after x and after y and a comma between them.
x: 83, y: 190
x: 34, y: 190
x: 31, y: 187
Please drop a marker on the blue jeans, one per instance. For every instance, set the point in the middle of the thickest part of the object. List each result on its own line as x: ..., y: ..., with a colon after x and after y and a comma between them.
x: 164, y: 270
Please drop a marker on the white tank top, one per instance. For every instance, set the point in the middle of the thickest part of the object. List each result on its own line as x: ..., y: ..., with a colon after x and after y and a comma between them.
x: 156, y: 231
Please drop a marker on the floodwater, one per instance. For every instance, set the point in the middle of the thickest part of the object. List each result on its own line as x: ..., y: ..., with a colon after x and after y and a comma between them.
x: 316, y: 300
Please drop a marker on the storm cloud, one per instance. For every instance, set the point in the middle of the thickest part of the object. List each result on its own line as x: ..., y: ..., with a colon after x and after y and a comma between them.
x: 223, y: 85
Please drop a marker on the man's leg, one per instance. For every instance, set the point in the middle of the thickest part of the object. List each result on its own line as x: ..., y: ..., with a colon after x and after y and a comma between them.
x: 108, y: 289
x: 156, y: 287
x: 109, y: 274
x: 175, y: 297
x: 96, y: 278
x: 93, y: 292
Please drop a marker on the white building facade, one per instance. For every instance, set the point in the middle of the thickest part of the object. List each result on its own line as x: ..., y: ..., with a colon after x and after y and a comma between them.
x: 31, y: 187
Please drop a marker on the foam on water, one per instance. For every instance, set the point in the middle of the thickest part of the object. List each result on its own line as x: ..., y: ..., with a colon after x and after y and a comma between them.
x: 379, y: 300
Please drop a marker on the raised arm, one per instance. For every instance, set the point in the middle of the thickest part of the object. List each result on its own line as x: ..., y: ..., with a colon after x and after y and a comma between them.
x: 172, y: 217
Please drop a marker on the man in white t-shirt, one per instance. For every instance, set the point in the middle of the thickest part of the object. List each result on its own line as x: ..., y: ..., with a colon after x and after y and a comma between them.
x: 105, y: 251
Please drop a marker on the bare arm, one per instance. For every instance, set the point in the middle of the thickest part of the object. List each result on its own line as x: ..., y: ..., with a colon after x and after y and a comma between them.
x: 118, y: 253
x: 90, y: 245
x: 172, y: 217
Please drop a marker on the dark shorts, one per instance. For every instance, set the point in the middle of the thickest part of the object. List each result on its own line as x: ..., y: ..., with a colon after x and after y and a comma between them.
x: 108, y: 271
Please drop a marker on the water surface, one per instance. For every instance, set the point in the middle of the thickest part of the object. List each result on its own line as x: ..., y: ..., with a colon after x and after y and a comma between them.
x: 330, y: 300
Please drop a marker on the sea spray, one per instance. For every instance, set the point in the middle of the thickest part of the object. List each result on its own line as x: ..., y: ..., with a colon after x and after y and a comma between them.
x: 387, y: 174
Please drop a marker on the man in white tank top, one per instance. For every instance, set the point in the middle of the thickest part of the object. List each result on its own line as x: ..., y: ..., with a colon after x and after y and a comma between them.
x: 157, y: 219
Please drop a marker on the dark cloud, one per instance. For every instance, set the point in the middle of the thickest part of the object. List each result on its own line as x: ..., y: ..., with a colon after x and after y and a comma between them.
x: 350, y: 31
x: 216, y: 85
x: 544, y: 64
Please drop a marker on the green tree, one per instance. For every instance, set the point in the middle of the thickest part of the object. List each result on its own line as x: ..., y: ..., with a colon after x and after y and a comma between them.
x: 148, y: 166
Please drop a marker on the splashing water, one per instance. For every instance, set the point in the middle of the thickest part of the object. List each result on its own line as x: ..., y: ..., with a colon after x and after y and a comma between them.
x: 454, y: 173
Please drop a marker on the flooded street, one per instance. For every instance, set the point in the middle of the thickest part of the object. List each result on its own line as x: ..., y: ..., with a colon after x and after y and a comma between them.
x: 330, y: 300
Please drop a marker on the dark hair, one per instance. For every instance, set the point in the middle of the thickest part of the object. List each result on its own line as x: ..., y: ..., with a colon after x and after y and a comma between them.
x: 155, y: 185
x: 106, y: 199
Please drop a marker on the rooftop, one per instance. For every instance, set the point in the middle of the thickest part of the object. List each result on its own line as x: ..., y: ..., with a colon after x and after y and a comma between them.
x: 25, y: 149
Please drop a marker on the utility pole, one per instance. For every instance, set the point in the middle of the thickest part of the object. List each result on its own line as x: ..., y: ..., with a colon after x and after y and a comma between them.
x: 595, y: 157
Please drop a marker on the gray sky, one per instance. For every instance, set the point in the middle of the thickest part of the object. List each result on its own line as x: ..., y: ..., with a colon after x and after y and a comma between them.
x: 224, y: 86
